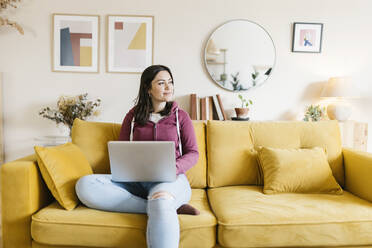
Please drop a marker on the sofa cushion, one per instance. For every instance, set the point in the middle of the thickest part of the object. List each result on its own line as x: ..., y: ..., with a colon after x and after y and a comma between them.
x: 231, y: 154
x: 197, y: 175
x: 89, y: 227
x: 296, y: 170
x: 231, y: 145
x: 61, y: 166
x: 245, y: 214
x: 92, y: 138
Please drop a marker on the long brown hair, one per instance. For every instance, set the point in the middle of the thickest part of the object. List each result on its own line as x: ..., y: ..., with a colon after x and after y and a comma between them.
x: 143, y: 103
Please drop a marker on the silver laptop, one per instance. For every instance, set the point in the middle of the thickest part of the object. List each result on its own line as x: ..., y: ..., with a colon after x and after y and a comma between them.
x: 142, y: 161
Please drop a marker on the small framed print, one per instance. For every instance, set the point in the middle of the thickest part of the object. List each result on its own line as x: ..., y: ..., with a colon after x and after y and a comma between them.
x: 307, y: 37
x: 129, y: 43
x: 75, y: 43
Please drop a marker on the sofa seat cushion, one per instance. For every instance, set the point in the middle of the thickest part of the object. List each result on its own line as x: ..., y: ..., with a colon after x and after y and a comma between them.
x: 248, y: 218
x: 89, y: 227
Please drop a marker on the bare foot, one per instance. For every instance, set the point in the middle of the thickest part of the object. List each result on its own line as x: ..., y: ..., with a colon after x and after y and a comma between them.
x: 187, y: 209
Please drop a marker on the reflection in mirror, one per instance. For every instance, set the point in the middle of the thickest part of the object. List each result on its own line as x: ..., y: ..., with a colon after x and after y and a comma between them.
x: 239, y: 55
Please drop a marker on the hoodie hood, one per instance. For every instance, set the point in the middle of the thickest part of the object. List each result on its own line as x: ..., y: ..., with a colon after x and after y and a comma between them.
x: 173, y: 109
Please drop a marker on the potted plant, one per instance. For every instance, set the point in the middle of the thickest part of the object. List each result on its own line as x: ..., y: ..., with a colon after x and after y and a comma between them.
x: 254, y: 77
x: 242, y: 112
x: 223, y: 77
x: 71, y: 107
x: 235, y: 83
x: 4, y: 4
x: 314, y: 113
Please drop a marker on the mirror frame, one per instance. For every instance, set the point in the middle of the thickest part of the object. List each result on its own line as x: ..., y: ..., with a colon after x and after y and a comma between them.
x: 205, y: 54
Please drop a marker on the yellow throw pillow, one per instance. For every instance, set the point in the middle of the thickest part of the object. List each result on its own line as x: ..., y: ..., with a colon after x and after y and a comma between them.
x: 61, y: 166
x: 297, y: 171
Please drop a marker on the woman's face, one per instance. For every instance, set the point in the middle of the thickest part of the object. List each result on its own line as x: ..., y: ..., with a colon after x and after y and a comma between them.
x: 162, y: 87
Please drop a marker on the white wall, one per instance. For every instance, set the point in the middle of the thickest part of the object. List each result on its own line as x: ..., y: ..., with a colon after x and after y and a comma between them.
x: 181, y: 31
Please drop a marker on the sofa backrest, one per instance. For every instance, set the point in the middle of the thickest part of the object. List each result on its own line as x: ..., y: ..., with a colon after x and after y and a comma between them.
x: 232, y: 155
x: 92, y: 138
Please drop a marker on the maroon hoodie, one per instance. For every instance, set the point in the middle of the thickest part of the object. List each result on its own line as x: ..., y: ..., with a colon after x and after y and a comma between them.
x: 166, y: 130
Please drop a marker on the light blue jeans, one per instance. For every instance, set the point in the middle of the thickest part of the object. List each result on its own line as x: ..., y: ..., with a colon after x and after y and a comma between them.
x: 163, y: 231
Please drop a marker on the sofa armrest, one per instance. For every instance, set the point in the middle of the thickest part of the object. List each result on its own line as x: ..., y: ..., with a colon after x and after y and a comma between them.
x: 23, y: 192
x: 358, y: 173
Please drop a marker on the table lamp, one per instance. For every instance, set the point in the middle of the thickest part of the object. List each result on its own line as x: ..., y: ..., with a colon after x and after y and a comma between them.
x: 338, y: 89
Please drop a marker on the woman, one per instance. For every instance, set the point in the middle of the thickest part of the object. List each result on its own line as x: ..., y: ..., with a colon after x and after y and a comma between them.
x: 154, y: 117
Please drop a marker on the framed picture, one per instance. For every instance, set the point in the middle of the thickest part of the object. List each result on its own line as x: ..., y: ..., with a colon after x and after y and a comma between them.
x: 130, y: 43
x: 75, y: 43
x: 307, y: 37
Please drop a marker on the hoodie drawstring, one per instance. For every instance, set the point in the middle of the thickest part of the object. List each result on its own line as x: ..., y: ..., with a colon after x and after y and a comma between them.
x: 178, y: 131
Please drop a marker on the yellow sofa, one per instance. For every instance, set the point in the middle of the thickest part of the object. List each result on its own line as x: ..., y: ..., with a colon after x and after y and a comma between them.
x: 227, y: 189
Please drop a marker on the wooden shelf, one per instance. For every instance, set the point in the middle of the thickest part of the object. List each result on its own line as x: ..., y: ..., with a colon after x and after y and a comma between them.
x: 216, y: 63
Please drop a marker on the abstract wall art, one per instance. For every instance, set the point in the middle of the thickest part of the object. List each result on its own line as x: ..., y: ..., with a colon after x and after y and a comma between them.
x: 129, y: 43
x: 75, y: 43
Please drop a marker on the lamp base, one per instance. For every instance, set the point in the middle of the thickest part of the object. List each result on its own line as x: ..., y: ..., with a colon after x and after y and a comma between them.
x: 339, y: 111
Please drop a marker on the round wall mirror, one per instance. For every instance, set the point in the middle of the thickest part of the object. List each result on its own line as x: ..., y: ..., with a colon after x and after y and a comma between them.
x: 239, y: 55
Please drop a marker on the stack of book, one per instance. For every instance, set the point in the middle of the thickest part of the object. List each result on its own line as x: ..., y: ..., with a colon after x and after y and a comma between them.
x: 206, y: 108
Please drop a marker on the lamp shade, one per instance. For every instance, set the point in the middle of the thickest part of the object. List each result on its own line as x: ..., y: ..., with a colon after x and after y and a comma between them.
x: 339, y: 87
x: 212, y: 48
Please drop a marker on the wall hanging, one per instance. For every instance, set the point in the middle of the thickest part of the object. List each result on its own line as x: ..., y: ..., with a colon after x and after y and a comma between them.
x: 75, y: 43
x: 130, y: 43
x: 307, y: 37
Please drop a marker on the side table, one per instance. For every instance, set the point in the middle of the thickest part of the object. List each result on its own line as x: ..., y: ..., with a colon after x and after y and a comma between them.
x: 354, y: 134
x: 51, y: 140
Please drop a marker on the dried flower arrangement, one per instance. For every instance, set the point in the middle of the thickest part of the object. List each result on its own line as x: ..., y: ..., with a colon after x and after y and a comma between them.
x: 71, y: 107
x: 4, y: 4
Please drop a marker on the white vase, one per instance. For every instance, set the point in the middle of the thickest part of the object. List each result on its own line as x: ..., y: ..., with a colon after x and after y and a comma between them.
x: 339, y: 111
x: 64, y: 130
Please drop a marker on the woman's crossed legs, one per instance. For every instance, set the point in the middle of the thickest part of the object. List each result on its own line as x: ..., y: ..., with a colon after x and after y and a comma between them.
x: 99, y: 192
